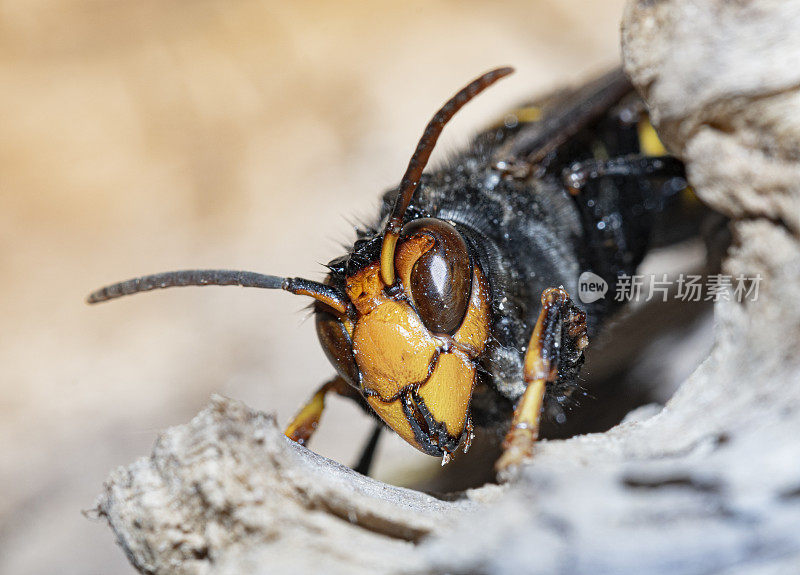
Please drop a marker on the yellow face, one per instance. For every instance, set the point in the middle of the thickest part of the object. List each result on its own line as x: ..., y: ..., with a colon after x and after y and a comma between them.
x: 416, y: 345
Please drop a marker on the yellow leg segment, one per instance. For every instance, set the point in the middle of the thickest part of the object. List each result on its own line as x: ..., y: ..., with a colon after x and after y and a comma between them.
x: 540, y: 367
x: 302, y: 427
x: 520, y: 439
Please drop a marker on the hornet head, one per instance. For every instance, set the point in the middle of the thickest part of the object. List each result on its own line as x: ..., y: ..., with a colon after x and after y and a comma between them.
x: 403, y: 318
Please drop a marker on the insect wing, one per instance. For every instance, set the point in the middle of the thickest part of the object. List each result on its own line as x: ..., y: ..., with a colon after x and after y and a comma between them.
x: 562, y: 115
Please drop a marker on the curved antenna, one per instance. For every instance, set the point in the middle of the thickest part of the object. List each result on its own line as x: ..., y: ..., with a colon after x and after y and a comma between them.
x: 410, y: 181
x: 320, y: 292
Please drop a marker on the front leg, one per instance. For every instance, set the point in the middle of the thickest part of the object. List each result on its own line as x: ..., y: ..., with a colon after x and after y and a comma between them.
x: 304, y: 424
x: 559, y: 321
x: 364, y: 463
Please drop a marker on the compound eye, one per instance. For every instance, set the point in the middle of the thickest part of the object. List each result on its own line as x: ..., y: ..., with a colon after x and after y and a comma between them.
x: 440, y: 278
x: 336, y: 343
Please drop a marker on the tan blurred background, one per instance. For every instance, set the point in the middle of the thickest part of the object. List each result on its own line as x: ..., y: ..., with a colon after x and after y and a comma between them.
x: 146, y: 136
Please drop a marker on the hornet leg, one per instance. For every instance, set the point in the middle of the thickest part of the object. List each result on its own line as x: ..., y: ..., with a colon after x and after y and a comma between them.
x: 368, y: 453
x: 559, y: 321
x: 304, y: 424
x: 579, y: 174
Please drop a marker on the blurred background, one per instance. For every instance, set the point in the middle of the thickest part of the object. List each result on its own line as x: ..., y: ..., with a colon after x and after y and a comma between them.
x: 147, y: 136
